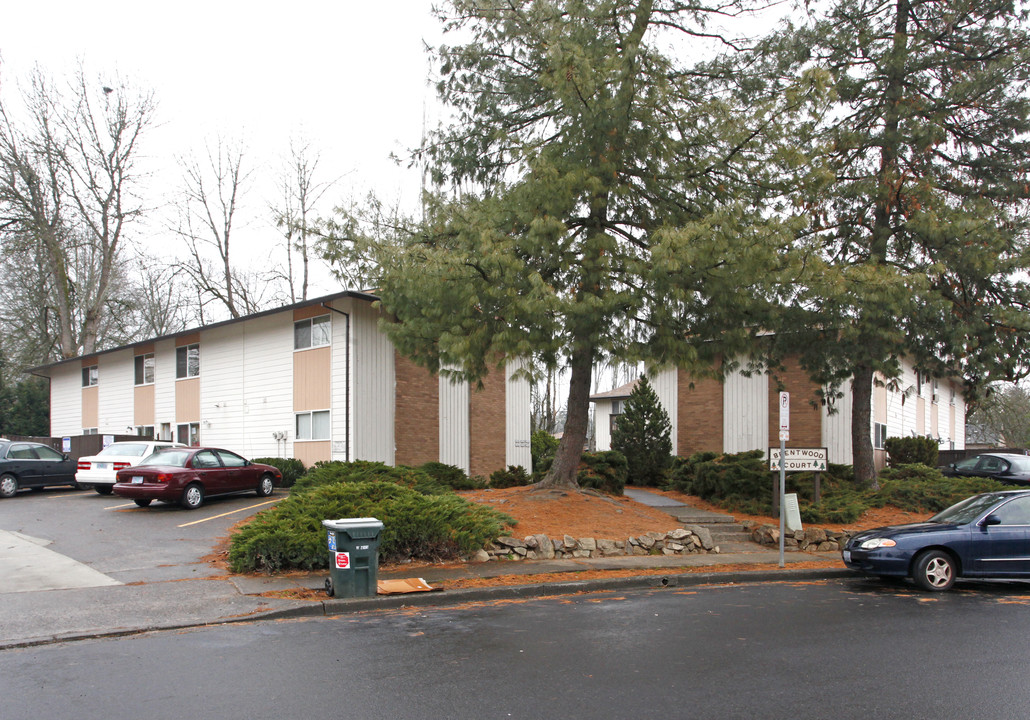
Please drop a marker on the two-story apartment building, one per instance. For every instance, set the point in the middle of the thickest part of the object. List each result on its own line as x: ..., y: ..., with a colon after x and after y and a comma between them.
x: 317, y: 380
x: 740, y: 412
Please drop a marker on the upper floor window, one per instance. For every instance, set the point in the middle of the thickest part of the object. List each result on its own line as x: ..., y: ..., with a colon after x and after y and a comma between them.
x: 312, y: 332
x: 145, y: 369
x: 187, y: 361
x: 90, y: 375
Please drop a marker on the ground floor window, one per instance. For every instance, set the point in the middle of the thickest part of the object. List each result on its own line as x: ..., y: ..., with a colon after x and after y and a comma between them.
x: 145, y: 430
x: 188, y: 433
x: 89, y: 431
x: 880, y: 436
x: 313, y: 425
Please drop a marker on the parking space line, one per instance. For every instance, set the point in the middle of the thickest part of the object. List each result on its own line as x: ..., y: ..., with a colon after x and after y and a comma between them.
x: 231, y: 512
x: 119, y: 507
x: 79, y: 493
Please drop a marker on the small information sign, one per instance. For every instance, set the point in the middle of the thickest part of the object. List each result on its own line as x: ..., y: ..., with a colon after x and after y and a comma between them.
x: 792, y: 511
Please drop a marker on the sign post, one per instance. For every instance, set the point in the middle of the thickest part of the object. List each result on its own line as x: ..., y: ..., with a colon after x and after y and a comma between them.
x: 784, y: 436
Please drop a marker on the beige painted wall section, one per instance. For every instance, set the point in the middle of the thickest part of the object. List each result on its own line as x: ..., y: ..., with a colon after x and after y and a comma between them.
x: 90, y: 407
x: 312, y: 379
x: 143, y: 405
x: 311, y: 451
x: 187, y: 400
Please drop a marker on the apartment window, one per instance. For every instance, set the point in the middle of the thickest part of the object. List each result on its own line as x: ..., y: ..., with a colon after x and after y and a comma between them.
x: 188, y: 433
x: 90, y: 376
x: 613, y: 416
x: 145, y: 430
x: 187, y: 361
x: 879, y: 436
x: 145, y: 369
x: 919, y: 384
x: 936, y: 396
x: 89, y: 431
x: 312, y: 332
x: 313, y: 425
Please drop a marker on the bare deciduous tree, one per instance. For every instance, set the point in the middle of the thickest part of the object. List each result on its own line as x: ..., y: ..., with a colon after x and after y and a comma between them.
x: 206, y: 216
x: 67, y: 181
x: 300, y: 192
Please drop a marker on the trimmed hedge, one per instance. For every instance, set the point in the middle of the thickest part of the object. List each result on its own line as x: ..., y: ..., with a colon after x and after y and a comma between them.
x: 912, y: 450
x: 337, y: 472
x: 451, y: 476
x: 416, y: 526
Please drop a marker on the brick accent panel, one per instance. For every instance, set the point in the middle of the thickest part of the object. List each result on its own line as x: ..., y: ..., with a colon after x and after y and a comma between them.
x: 416, y: 421
x: 806, y: 420
x: 700, y: 415
x: 487, y: 423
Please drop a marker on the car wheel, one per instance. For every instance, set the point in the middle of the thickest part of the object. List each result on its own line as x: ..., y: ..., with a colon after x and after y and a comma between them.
x: 8, y: 485
x: 192, y: 497
x: 266, y: 487
x: 934, y: 570
x: 143, y: 502
x: 103, y: 489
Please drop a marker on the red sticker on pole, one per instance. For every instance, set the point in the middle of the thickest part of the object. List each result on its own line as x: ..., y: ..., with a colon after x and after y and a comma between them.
x: 342, y: 561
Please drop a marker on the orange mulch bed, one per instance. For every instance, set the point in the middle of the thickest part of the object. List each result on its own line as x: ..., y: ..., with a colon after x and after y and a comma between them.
x: 584, y: 514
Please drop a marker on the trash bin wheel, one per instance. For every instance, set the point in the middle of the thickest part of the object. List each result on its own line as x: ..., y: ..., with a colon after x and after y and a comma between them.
x: 329, y: 589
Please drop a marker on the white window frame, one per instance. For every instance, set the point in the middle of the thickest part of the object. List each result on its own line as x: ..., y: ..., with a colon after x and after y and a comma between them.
x: 90, y: 376
x: 187, y: 349
x: 90, y: 431
x: 879, y: 436
x: 324, y: 336
x: 192, y: 433
x: 304, y: 425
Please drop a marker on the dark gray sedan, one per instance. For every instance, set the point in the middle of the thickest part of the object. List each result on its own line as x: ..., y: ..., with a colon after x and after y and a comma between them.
x: 32, y: 465
x: 1009, y: 468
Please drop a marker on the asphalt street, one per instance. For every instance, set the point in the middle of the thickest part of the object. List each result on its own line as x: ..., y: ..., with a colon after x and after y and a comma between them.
x: 842, y: 649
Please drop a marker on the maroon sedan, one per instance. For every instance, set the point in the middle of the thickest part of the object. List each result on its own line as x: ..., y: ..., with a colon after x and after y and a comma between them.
x: 187, y: 475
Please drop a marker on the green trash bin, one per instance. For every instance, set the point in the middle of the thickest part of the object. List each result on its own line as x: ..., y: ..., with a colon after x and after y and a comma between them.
x: 353, y: 556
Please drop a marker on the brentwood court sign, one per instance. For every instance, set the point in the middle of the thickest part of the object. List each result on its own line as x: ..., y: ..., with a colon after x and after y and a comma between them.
x: 799, y: 459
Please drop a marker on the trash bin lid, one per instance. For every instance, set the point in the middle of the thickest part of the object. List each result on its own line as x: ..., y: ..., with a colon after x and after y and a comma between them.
x: 346, y: 524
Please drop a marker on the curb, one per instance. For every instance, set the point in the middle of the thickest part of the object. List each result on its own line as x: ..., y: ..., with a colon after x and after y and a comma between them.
x: 337, y: 607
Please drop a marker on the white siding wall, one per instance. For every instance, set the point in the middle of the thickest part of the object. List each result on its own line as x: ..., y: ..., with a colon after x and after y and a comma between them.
x: 454, y: 423
x: 374, y: 387
x: 164, y: 385
x: 517, y: 418
x: 602, y: 425
x: 837, y: 428
x: 266, y: 390
x: 342, y: 378
x: 746, y: 412
x: 115, y: 393
x: 665, y: 384
x: 66, y: 400
x: 222, y: 354
x: 960, y: 420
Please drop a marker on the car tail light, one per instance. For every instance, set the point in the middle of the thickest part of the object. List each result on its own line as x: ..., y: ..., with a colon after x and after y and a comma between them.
x: 121, y: 465
x: 162, y: 477
x: 82, y: 465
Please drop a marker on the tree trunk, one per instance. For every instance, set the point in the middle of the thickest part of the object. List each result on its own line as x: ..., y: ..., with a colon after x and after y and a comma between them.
x: 861, y: 422
x: 566, y: 460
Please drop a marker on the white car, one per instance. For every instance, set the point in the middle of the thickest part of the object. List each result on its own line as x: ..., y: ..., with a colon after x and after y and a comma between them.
x: 99, y: 470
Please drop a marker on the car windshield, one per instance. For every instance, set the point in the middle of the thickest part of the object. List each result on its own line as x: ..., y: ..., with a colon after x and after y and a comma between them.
x: 172, y: 456
x: 969, y: 509
x: 125, y: 448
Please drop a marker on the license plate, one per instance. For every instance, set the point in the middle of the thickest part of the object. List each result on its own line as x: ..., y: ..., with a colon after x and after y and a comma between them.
x: 847, y: 556
x: 100, y: 466
x: 137, y: 479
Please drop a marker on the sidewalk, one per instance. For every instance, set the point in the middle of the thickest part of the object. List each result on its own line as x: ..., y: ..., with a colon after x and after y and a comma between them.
x: 72, y: 613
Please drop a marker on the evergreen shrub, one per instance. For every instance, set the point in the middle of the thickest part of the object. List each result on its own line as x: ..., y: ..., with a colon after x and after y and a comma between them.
x: 416, y: 526
x: 603, y: 471
x: 642, y: 435
x: 451, y: 476
x: 336, y: 473
x: 513, y: 476
x: 291, y: 468
x: 542, y: 446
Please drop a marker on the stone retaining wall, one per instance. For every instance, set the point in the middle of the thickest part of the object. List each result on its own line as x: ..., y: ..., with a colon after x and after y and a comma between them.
x: 811, y: 540
x: 687, y: 539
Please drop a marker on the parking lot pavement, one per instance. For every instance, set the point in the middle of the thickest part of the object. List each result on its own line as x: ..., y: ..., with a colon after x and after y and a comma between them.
x: 26, y: 565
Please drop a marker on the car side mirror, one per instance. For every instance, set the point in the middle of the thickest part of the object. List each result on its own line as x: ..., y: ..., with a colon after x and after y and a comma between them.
x: 991, y: 520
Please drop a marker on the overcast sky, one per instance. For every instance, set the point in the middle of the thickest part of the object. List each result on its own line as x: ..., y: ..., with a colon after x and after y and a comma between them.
x: 348, y: 77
